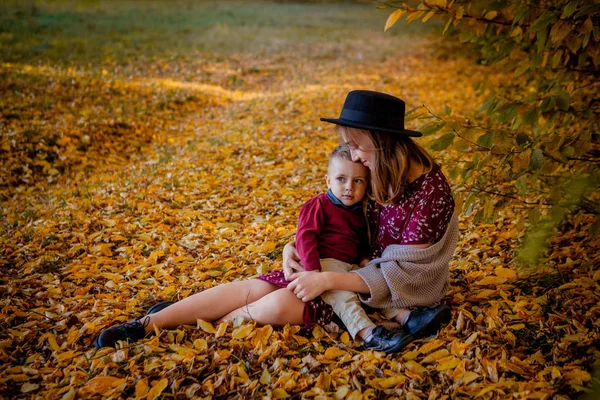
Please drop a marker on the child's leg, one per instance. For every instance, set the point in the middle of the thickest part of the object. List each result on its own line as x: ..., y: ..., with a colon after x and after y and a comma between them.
x: 400, y: 315
x: 277, y: 308
x: 210, y: 304
x: 345, y: 304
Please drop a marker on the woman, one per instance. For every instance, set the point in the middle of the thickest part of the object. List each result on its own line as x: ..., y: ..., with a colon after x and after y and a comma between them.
x: 413, y: 229
x: 413, y: 236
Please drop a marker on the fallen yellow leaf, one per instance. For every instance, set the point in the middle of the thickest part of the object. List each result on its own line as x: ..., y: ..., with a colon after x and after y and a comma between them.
x: 157, y: 389
x: 334, y: 352
x: 505, y: 273
x: 386, y: 383
x: 206, y: 326
x: 52, y: 342
x: 280, y: 393
x: 242, y: 331
x: 29, y: 387
x: 102, y: 384
x: 434, y: 344
x: 141, y: 388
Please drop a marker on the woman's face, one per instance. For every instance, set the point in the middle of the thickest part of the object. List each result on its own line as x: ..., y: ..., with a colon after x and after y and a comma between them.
x: 362, y: 150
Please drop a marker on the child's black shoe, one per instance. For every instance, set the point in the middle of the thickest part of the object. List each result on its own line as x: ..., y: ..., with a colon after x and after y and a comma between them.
x: 389, y: 342
x: 131, y: 331
x: 426, y: 321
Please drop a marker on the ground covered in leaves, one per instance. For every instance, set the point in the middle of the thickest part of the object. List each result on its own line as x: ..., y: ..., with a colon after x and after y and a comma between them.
x: 147, y: 177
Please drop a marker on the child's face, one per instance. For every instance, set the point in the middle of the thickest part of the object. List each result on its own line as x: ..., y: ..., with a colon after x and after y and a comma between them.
x: 347, y: 180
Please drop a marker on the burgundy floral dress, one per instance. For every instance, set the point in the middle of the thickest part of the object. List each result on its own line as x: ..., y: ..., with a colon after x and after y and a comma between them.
x: 418, y: 215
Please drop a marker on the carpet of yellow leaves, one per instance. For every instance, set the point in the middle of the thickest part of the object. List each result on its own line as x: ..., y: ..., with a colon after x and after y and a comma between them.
x: 124, y: 186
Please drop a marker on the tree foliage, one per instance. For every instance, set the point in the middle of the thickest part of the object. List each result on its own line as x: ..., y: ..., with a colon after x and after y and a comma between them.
x: 535, y: 137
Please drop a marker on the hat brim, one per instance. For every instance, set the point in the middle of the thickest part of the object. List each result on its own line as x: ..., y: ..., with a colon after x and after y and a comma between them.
x: 352, y: 124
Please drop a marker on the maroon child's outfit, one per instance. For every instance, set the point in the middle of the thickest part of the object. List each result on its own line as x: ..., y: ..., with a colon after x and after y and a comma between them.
x: 325, y: 230
x: 418, y: 215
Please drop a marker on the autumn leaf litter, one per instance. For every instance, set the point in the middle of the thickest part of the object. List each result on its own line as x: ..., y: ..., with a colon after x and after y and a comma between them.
x: 153, y: 189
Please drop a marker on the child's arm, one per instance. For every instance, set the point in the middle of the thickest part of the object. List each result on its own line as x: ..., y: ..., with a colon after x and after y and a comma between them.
x: 310, y: 223
x: 363, y: 248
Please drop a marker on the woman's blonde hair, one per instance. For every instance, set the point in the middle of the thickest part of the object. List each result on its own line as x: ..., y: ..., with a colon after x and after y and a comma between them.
x: 393, y: 155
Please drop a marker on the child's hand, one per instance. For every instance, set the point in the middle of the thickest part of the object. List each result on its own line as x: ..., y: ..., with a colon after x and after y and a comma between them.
x: 308, y: 285
x: 290, y: 261
x: 364, y: 262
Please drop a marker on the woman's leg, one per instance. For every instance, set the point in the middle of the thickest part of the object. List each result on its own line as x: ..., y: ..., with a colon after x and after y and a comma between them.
x: 210, y: 304
x: 277, y: 308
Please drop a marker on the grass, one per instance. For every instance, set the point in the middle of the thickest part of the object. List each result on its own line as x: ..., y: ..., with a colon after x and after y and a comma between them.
x: 93, y: 31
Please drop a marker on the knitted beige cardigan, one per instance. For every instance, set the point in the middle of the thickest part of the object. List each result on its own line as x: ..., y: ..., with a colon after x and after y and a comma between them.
x: 407, y: 276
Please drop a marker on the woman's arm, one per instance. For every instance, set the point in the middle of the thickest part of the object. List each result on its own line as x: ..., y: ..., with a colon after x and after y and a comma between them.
x: 308, y: 285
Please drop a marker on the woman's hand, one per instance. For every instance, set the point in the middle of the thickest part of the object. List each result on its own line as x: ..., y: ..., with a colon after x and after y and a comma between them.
x: 290, y: 260
x: 308, y: 285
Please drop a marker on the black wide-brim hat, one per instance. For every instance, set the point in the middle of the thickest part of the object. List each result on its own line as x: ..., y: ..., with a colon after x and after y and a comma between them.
x: 365, y: 109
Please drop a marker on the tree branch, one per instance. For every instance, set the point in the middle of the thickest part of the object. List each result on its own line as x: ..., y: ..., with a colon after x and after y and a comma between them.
x: 510, y: 196
x: 455, y: 131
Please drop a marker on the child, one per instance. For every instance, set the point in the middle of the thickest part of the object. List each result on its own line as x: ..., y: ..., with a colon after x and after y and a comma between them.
x: 332, y: 235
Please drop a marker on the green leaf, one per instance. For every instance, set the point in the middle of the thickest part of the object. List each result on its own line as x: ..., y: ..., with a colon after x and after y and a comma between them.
x: 466, y: 35
x: 568, y: 151
x: 581, y: 59
x: 537, y: 159
x: 412, y: 114
x: 486, y: 140
x: 447, y: 26
x: 587, y: 10
x: 542, y: 36
x: 522, y: 14
x: 548, y: 104
x: 477, y: 217
x: 521, y: 185
x: 560, y: 30
x: 569, y: 9
x: 522, y: 139
x: 531, y: 116
x: 508, y: 113
x: 563, y: 100
x: 573, y: 43
x: 469, y: 206
x: 489, y: 105
x: 543, y: 21
x: 461, y: 146
x: 432, y: 127
x: 442, y: 142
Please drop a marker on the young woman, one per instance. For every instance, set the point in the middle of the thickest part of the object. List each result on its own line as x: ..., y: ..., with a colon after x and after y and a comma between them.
x: 410, y: 213
x: 413, y: 235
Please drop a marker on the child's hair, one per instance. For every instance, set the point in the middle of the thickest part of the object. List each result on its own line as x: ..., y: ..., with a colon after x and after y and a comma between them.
x: 393, y: 154
x: 341, y: 151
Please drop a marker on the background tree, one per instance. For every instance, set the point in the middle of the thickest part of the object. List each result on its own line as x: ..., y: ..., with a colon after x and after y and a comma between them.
x: 535, y: 138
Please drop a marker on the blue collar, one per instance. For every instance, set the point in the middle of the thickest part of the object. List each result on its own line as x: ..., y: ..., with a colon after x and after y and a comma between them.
x: 337, y: 202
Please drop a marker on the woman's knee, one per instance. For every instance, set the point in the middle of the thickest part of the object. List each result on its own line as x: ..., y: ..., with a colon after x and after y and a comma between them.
x: 254, y: 289
x: 278, y: 308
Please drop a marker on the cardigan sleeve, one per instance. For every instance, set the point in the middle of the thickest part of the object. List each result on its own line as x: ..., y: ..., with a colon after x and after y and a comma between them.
x: 310, y: 224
